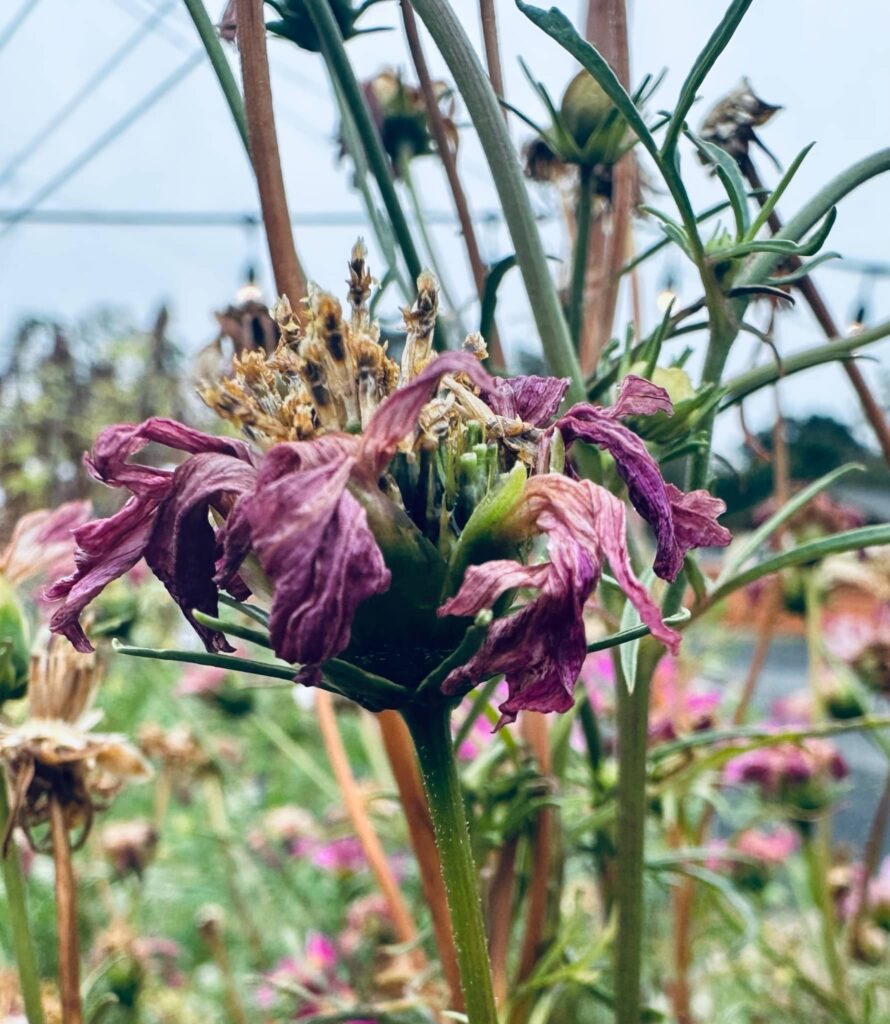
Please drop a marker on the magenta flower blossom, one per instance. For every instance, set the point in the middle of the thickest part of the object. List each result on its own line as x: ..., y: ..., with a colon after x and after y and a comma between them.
x: 373, y: 510
x: 42, y: 543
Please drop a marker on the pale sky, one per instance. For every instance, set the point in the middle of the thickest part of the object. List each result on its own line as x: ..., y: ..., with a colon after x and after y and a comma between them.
x: 826, y: 63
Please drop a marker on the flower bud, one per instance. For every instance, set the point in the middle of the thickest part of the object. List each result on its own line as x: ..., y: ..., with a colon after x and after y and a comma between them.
x: 584, y: 107
x: 14, y: 653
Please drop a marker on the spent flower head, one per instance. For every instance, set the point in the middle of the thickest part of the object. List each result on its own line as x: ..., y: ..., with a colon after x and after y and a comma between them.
x: 399, y: 538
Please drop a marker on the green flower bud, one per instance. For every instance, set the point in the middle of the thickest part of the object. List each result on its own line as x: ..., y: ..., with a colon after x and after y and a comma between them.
x: 584, y: 107
x: 14, y: 645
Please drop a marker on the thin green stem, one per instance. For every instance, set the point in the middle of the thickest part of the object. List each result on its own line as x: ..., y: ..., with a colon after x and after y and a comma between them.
x: 818, y: 863
x: 488, y: 120
x: 340, y: 68
x: 583, y: 219
x: 633, y: 713
x: 431, y: 733
x: 17, y: 911
x: 221, y: 67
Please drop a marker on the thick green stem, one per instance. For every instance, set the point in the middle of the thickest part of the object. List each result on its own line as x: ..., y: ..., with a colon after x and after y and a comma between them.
x: 431, y: 733
x: 221, y: 67
x: 337, y: 60
x: 583, y: 218
x: 17, y: 912
x: 485, y: 113
x: 633, y: 715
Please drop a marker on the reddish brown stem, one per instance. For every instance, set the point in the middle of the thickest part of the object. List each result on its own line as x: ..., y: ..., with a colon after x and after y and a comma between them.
x: 535, y: 732
x: 400, y: 752
x: 813, y: 297
x: 289, y: 277
x: 449, y: 163
x: 66, y: 917
x: 489, y: 19
x: 358, y: 816
x: 606, y: 27
x: 500, y: 916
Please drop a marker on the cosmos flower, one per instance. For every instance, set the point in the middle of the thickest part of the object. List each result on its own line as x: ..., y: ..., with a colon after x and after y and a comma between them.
x: 380, y: 507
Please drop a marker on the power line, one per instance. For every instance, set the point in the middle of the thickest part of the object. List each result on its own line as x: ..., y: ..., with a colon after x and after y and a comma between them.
x: 104, y: 140
x: 88, y: 88
x: 16, y: 22
x: 202, y: 218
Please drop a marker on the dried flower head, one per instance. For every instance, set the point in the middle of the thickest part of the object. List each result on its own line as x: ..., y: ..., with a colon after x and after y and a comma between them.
x: 129, y: 845
x: 423, y: 499
x: 730, y: 123
x: 54, y: 754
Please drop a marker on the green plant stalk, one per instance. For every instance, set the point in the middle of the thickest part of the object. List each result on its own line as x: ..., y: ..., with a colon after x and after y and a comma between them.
x: 818, y: 863
x: 17, y: 911
x: 583, y: 220
x: 430, y: 730
x: 632, y: 720
x: 485, y: 113
x: 222, y: 69
x: 337, y: 60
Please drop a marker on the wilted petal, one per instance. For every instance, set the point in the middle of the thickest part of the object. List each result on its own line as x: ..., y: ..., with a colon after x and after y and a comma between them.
x: 596, y: 520
x: 540, y: 648
x: 113, y: 447
x: 639, y: 397
x: 534, y: 400
x: 313, y: 541
x: 695, y: 519
x: 398, y: 414
x: 106, y: 549
x: 182, y: 549
x: 637, y: 468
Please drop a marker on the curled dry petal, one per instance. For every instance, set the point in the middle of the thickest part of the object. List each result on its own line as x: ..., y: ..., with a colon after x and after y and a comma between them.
x: 534, y: 400
x: 42, y: 543
x: 680, y: 522
x: 173, y: 533
x: 541, y: 647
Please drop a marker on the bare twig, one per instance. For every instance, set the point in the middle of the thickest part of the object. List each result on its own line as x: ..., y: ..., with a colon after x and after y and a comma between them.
x: 289, y: 277
x: 66, y: 916
x: 449, y: 163
x: 500, y: 916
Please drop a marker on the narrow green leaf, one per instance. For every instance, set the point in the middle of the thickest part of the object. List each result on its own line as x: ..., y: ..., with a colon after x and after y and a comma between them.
x: 731, y: 177
x: 274, y: 670
x: 804, y: 269
x: 493, y: 280
x: 629, y: 655
x: 635, y: 632
x: 227, y: 628
x: 767, y: 529
x: 814, y: 551
x: 703, y: 64
x: 252, y: 611
x: 778, y: 192
x: 560, y: 28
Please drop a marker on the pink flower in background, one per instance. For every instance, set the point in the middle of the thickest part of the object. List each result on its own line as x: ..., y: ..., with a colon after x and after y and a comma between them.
x: 769, y: 848
x: 42, y: 544
x: 342, y: 856
x: 677, y: 708
x: 802, y: 776
x: 794, y: 710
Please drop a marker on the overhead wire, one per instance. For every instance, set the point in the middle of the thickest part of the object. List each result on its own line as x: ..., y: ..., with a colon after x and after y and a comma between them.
x: 67, y: 110
x: 91, y: 151
x: 16, y: 22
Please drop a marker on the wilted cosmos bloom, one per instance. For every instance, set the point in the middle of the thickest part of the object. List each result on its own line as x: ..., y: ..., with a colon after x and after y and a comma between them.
x: 378, y: 508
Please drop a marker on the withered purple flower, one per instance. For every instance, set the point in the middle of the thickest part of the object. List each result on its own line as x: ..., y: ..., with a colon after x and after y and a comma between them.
x: 382, y: 506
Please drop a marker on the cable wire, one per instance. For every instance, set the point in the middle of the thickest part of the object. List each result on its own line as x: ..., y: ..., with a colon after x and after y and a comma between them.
x: 104, y: 140
x: 16, y: 22
x: 68, y: 109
